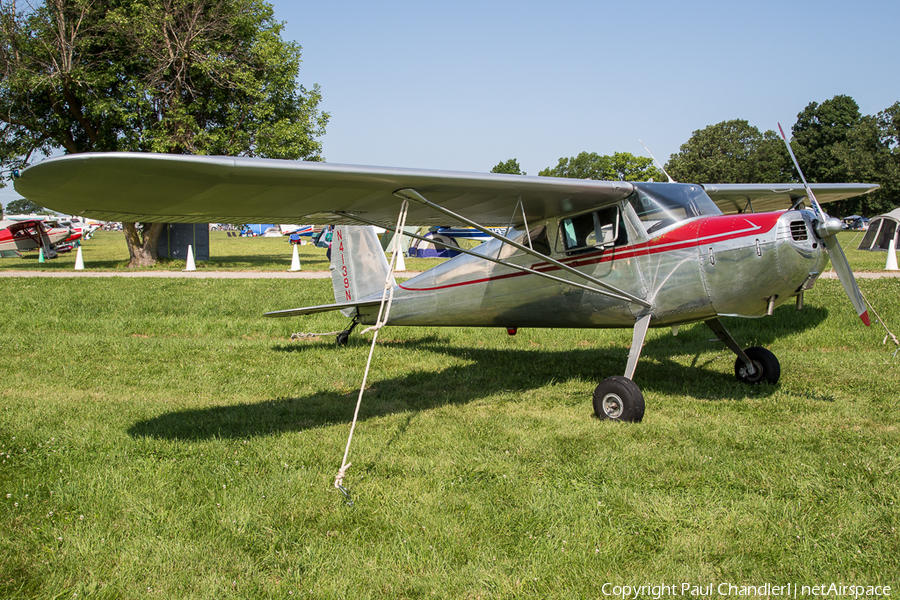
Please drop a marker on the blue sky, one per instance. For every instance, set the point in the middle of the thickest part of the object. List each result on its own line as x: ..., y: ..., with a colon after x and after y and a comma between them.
x: 465, y: 85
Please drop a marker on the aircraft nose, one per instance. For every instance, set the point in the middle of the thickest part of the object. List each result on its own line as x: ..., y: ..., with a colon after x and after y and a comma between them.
x: 801, y: 254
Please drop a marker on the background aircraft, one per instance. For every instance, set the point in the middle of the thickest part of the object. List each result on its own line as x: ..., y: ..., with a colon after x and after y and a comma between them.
x: 32, y: 234
x: 577, y: 253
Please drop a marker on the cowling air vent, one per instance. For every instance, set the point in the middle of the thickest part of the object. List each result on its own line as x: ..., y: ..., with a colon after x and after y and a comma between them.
x: 798, y: 231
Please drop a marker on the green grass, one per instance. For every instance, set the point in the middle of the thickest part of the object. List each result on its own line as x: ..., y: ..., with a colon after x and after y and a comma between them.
x: 861, y: 260
x: 160, y: 439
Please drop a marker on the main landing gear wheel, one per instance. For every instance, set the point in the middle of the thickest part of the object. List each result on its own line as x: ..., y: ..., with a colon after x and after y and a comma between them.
x: 619, y: 399
x: 767, y: 368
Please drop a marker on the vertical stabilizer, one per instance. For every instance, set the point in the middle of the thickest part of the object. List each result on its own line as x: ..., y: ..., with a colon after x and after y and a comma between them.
x: 358, y: 264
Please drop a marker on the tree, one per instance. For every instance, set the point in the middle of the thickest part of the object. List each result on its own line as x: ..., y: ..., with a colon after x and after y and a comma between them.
x: 835, y: 143
x: 621, y: 166
x: 177, y: 76
x: 510, y: 167
x: 731, y: 152
x: 888, y: 123
x: 21, y: 206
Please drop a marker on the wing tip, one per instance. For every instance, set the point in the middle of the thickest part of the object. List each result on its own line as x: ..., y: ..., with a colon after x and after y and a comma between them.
x: 865, y: 318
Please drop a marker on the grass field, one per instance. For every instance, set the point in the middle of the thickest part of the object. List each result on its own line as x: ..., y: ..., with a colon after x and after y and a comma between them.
x: 159, y: 439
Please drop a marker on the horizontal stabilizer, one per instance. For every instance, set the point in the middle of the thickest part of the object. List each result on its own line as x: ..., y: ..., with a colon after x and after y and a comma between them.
x: 295, y: 312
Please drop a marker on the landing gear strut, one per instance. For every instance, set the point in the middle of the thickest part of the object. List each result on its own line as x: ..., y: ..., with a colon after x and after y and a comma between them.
x: 753, y: 365
x: 620, y: 399
x: 344, y: 336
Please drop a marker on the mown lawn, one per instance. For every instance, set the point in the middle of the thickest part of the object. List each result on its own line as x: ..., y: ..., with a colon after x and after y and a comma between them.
x: 159, y: 439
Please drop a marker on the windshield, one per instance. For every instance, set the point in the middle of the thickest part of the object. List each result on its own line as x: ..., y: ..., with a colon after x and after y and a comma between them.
x: 660, y: 205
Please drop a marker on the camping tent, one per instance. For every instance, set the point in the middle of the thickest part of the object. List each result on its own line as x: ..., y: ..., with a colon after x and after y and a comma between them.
x: 421, y: 249
x: 260, y: 229
x: 882, y: 229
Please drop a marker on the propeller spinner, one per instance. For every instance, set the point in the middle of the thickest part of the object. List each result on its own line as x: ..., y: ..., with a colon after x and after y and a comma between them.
x: 827, y: 229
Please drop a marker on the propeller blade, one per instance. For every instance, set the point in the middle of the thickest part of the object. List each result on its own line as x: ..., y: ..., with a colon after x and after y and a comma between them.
x: 845, y: 275
x: 828, y: 232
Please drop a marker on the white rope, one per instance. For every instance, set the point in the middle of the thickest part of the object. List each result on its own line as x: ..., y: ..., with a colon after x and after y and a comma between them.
x: 302, y: 336
x: 384, y: 310
x: 883, y: 324
x: 396, y: 248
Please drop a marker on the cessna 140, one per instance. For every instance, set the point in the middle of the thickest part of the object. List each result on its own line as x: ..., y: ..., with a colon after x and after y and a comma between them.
x: 577, y: 253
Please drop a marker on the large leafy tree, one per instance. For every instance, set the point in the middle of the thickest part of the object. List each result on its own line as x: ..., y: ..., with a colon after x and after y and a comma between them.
x: 822, y: 135
x: 835, y: 142
x: 731, y: 152
x: 178, y: 76
x: 621, y: 166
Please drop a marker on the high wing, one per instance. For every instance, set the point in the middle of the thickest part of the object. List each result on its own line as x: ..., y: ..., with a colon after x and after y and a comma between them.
x: 138, y: 187
x: 143, y: 187
x: 765, y: 197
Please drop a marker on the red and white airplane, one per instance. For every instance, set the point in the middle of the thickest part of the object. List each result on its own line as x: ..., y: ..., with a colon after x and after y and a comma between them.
x: 32, y: 234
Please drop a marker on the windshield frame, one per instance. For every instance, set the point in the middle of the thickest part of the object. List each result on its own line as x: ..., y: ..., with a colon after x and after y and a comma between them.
x: 660, y: 206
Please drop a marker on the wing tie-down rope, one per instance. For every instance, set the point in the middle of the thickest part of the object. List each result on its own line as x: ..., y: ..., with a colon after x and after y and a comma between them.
x: 302, y: 336
x: 384, y: 311
x: 883, y: 324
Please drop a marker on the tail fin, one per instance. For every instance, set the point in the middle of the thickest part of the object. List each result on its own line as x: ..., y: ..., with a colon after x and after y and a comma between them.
x: 358, y: 264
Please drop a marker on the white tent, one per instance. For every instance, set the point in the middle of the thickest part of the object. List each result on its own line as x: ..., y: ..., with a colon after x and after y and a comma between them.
x: 882, y: 229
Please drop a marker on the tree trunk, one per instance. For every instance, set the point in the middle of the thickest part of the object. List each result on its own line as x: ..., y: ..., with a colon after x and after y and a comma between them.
x: 143, y: 244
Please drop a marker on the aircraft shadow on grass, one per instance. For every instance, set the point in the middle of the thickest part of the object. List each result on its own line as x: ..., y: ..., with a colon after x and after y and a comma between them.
x: 523, y: 370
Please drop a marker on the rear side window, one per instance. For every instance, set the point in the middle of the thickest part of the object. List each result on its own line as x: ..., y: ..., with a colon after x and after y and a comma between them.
x: 597, y: 229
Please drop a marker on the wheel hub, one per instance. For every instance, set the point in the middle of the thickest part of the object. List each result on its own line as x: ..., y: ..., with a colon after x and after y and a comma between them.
x: 753, y: 377
x: 612, y: 405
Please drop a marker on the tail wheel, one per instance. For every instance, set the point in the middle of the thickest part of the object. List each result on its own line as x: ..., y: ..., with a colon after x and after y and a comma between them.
x: 619, y: 399
x: 766, y: 367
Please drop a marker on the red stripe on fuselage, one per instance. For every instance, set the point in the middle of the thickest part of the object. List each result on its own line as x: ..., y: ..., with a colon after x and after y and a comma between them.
x: 715, y: 230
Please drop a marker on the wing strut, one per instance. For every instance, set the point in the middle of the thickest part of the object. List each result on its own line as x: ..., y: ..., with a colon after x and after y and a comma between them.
x: 510, y: 225
x: 411, y: 194
x: 481, y: 256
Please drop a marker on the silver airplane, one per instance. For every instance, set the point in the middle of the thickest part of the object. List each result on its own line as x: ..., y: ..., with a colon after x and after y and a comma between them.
x: 576, y: 253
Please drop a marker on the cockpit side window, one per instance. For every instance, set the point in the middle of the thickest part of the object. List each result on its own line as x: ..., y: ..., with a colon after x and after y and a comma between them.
x: 597, y: 229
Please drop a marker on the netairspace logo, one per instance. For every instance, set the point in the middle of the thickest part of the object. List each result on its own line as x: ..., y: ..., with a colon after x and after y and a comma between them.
x: 717, y: 590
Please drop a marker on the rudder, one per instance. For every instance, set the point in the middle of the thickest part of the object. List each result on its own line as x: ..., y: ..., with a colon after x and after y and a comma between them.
x: 358, y: 264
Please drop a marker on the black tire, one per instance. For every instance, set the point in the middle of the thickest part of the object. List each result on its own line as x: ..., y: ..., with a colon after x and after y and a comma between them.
x: 768, y: 369
x: 619, y: 399
x: 342, y: 338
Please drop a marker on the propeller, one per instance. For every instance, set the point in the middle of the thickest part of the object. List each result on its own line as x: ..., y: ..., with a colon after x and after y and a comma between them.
x: 827, y: 229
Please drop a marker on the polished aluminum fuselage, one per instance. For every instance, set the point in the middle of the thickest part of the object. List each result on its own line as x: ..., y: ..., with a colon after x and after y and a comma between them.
x: 695, y: 270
